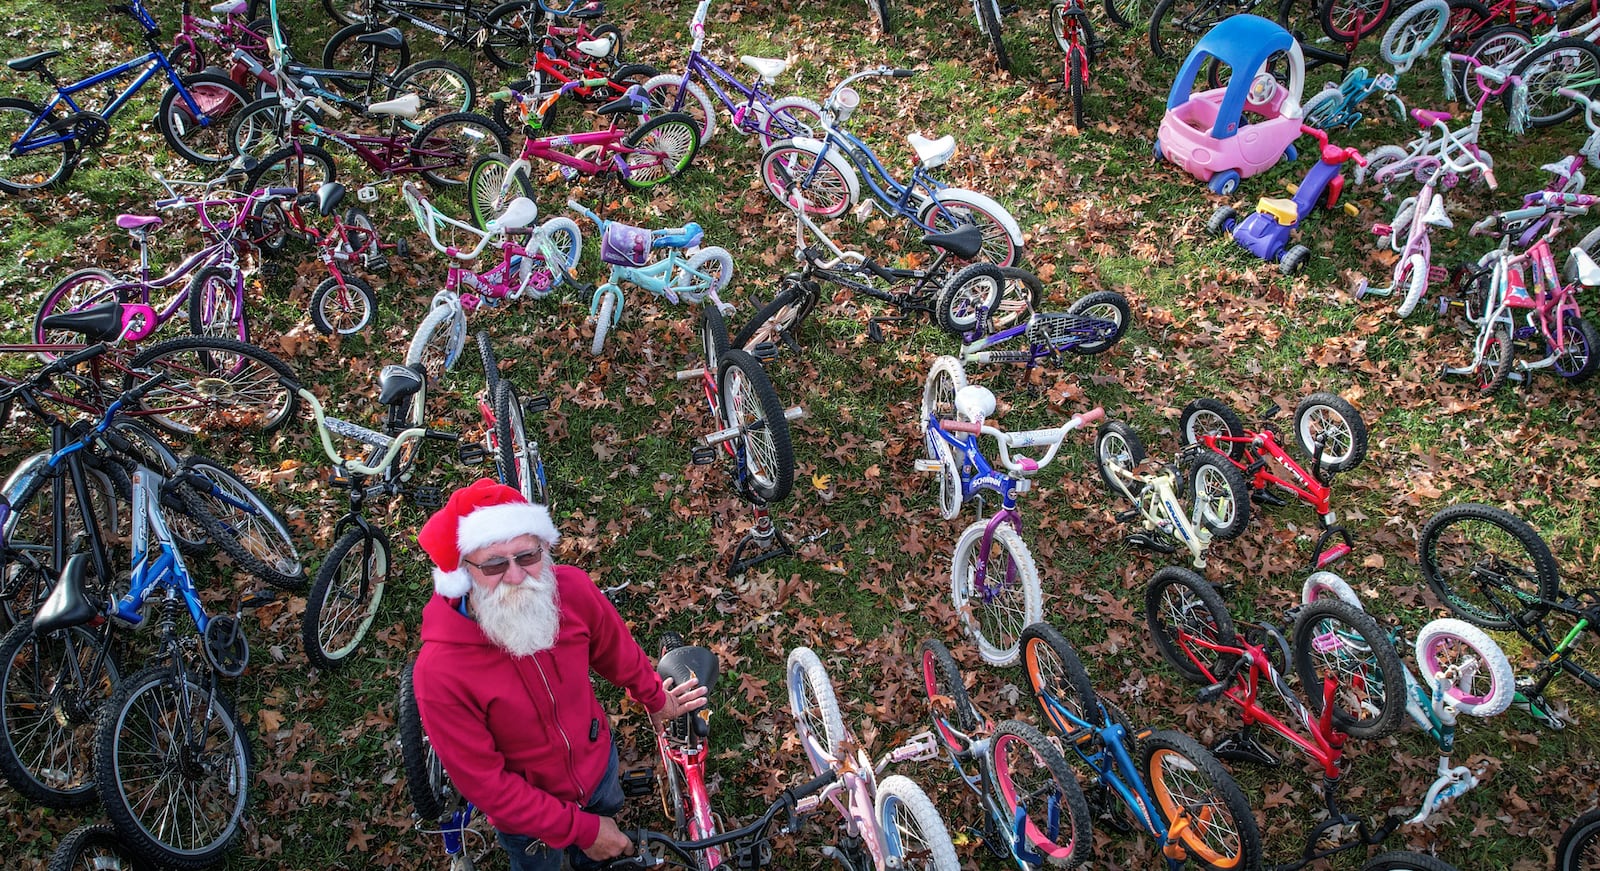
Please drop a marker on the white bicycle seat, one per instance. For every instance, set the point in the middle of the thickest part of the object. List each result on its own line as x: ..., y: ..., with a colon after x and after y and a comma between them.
x: 1562, y: 167
x: 521, y: 213
x: 768, y: 68
x: 596, y: 47
x: 1436, y: 216
x: 932, y: 152
x: 974, y: 403
x: 1579, y: 263
x: 231, y: 7
x: 403, y: 107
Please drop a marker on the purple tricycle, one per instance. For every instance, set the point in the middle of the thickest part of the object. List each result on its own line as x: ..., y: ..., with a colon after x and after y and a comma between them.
x: 1266, y: 232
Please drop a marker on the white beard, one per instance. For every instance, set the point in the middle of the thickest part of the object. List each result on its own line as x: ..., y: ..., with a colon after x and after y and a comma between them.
x: 523, y: 618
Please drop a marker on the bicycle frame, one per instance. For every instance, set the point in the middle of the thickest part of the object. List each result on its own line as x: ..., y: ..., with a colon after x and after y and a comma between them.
x: 148, y: 65
x: 894, y: 197
x: 1547, y: 304
x: 609, y: 142
x: 1263, y: 454
x: 691, y: 761
x: 854, y: 791
x: 1157, y: 504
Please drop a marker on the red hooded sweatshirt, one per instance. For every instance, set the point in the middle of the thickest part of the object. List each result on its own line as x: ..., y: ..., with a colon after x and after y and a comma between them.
x: 523, y: 737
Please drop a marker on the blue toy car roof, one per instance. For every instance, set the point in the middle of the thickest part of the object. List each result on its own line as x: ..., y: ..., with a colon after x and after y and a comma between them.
x: 1243, y: 42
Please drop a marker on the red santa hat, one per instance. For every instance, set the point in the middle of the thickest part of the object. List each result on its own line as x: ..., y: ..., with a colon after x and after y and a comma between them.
x: 485, y: 513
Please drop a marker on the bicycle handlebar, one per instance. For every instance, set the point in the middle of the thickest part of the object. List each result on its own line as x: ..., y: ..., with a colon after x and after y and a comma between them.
x: 428, y: 219
x: 1054, y: 437
x: 787, y: 800
x: 1590, y: 106
x: 53, y: 368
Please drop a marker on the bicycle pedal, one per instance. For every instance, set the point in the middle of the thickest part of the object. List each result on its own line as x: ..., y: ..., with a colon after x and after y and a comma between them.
x: 764, y: 351
x: 367, y: 193
x: 1267, y: 497
x: 1128, y: 516
x: 1140, y: 539
x: 471, y: 454
x: 638, y: 782
x: 375, y: 262
x: 538, y: 403
x: 703, y: 455
x: 428, y: 497
x: 257, y: 598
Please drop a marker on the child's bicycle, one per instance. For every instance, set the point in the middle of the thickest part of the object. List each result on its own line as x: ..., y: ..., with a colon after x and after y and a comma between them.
x: 545, y: 257
x: 1218, y: 493
x: 1390, y: 163
x: 505, y: 437
x: 889, y: 823
x: 1464, y: 672
x: 1328, y: 430
x: 994, y: 582
x: 1351, y: 673
x: 1035, y: 813
x: 1176, y: 791
x: 1069, y: 21
x: 1091, y: 325
x: 342, y: 303
x: 1491, y: 569
x: 684, y: 751
x: 689, y: 273
x: 228, y: 35
x: 752, y: 110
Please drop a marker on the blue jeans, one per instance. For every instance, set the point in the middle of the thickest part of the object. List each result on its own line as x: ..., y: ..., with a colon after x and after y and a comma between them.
x: 531, y: 854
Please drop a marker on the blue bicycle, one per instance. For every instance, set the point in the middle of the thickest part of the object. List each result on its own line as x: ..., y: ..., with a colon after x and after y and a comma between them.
x: 46, y: 142
x: 1177, y: 791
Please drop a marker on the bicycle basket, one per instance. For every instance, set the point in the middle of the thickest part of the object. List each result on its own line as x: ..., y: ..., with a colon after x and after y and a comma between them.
x: 1062, y: 332
x: 623, y: 245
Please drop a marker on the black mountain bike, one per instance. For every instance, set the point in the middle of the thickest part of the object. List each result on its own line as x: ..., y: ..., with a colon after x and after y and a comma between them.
x: 504, y: 32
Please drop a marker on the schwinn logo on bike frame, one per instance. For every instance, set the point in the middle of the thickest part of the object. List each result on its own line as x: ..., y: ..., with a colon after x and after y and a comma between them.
x: 986, y: 480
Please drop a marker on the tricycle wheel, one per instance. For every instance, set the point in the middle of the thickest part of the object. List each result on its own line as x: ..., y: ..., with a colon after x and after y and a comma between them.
x: 1293, y: 259
x: 1224, y: 183
x: 1222, y: 221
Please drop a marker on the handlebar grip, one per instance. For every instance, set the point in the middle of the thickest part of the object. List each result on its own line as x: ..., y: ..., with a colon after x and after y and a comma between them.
x: 815, y: 786
x: 132, y: 394
x: 903, y: 74
x: 517, y: 231
x: 442, y: 436
x: 72, y: 360
x: 1088, y: 417
x: 1488, y: 178
x: 1573, y: 95
x: 282, y: 192
x: 879, y: 271
x: 961, y: 426
x: 501, y: 95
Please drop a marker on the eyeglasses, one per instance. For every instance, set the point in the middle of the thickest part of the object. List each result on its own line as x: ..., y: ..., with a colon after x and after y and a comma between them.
x: 499, y: 565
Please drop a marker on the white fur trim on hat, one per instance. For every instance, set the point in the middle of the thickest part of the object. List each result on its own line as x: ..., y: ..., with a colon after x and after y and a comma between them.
x: 503, y: 522
x: 452, y: 585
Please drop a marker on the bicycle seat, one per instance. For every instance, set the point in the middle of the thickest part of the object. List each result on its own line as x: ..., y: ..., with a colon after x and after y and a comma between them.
x: 681, y: 663
x: 1282, y: 209
x: 1582, y: 267
x: 404, y: 106
x: 231, y: 7
x: 67, y: 605
x: 625, y: 245
x: 100, y: 323
x: 596, y: 47
x: 397, y: 382
x: 964, y: 241
x: 767, y: 68
x: 932, y: 152
x: 1563, y: 167
x: 521, y: 213
x: 31, y: 62
x: 137, y: 222
x: 1436, y: 217
x: 688, y: 236
x: 389, y: 37
x: 627, y: 104
x: 329, y: 193
x: 974, y: 403
x: 1425, y: 117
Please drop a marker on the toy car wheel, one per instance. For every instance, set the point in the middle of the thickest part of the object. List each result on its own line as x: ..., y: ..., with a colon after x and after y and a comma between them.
x: 1224, y: 183
x: 1222, y: 221
x: 1291, y: 154
x: 1293, y: 259
x: 1157, y: 151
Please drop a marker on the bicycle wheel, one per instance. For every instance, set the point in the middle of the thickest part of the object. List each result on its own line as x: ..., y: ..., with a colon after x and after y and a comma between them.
x: 816, y: 710
x: 239, y: 521
x: 1195, y: 795
x: 1117, y: 447
x: 426, y: 782
x: 1413, y: 279
x: 1414, y: 31
x: 345, y: 12
x: 1580, y: 352
x: 261, y: 127
x: 1348, y: 20
x: 1570, y: 62
x: 1579, y: 849
x: 945, y: 379
x: 442, y: 86
x: 216, y: 305
x: 829, y: 189
x: 343, y: 52
x: 1330, y: 420
x: 1468, y: 19
x: 1404, y: 860
x: 707, y: 272
x: 713, y: 339
x: 52, y: 687
x: 1224, y: 495
x: 345, y: 309
x: 515, y: 462
x: 1076, y: 66
x: 989, y: 17
x: 1498, y: 358
x: 492, y: 185
x: 1328, y: 585
x: 201, y: 139
x: 1059, y: 682
x: 1020, y: 297
x: 1127, y: 13
x: 511, y: 30
x: 302, y: 167
x: 37, y: 168
x: 662, y: 147
x: 670, y: 92
x: 438, y: 340
x: 1332, y: 638
x: 1320, y: 110
x: 967, y: 298
x: 83, y: 289
x: 749, y: 403
x: 913, y: 833
x: 1175, y: 25
x: 790, y: 117
x: 880, y: 11
x: 561, y: 248
x: 1481, y: 682
x: 997, y: 594
x: 344, y: 600
x: 450, y: 145
x: 216, y: 383
x: 1037, y: 788
x: 1488, y: 566
x: 780, y: 319
x: 1210, y: 417
x: 94, y: 848
x: 174, y: 768
x: 1102, y: 305
x: 952, y: 208
x: 1502, y: 47
x: 1185, y: 614
x: 953, y: 713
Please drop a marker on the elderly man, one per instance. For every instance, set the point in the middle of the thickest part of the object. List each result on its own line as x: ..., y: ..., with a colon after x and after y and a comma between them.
x: 502, y: 680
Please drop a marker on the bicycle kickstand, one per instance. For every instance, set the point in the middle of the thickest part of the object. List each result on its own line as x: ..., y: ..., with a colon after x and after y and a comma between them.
x: 765, y: 539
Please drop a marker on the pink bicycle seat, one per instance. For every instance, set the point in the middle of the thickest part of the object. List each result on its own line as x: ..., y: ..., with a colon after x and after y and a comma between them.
x: 624, y: 245
x: 1027, y: 464
x: 1425, y: 117
x: 134, y: 222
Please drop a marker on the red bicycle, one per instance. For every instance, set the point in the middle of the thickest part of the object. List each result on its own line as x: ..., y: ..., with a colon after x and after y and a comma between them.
x: 682, y: 745
x: 1329, y: 431
x: 1337, y: 648
x: 342, y: 303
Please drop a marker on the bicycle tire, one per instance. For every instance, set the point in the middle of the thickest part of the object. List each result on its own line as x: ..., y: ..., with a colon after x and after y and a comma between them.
x: 344, y: 310
x: 952, y: 208
x: 1056, y: 674
x: 1179, y: 604
x: 1580, y: 352
x: 1580, y: 839
x: 1186, y: 26
x: 515, y: 462
x: 1221, y: 830
x: 1346, y: 21
x: 331, y: 637
x: 451, y: 89
x: 911, y: 826
x: 780, y: 319
x: 1414, y: 31
x: 1413, y: 278
x: 749, y: 402
x: 1405, y: 860
x: 989, y: 23
x: 1126, y: 13
x: 94, y: 847
x: 561, y: 248
x: 664, y: 146
x: 948, y: 701
x: 345, y: 12
x: 1212, y: 417
x: 672, y: 92
x: 1320, y: 110
x: 1569, y: 62
x: 54, y: 163
x: 1434, y: 645
x: 1515, y: 559
x: 215, y: 309
x: 715, y: 263
x: 491, y: 369
x: 262, y: 127
x: 1018, y: 747
x: 1320, y: 585
x: 229, y: 383
x: 511, y: 30
x: 83, y: 289
x: 815, y: 708
x: 834, y: 186
x: 46, y: 754
x: 1105, y: 305
x: 1503, y: 46
x: 302, y: 167
x: 426, y: 781
x: 1333, y: 635
x: 604, y: 318
x: 233, y: 772
x: 492, y: 186
x: 1076, y: 76
x: 790, y: 117
x: 1226, y: 511
x: 880, y: 11
x: 343, y: 52
x: 964, y: 301
x: 434, y: 345
x: 1116, y: 445
x: 1499, y: 356
x: 1468, y: 19
x: 218, y: 97
x: 987, y: 615
x: 257, y: 539
x: 464, y: 137
x: 945, y: 379
x: 1332, y: 417
x: 713, y: 340
x: 187, y: 532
